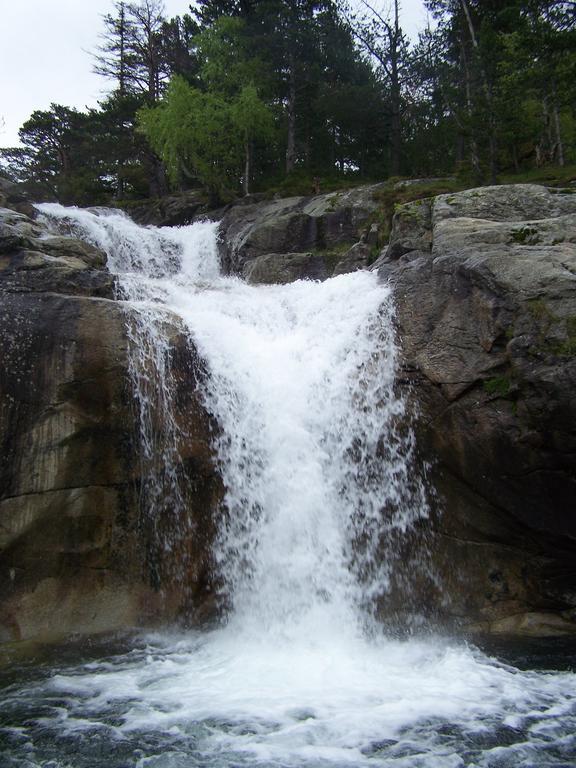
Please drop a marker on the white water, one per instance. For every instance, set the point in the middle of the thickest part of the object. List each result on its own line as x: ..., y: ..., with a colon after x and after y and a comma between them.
x: 321, y: 491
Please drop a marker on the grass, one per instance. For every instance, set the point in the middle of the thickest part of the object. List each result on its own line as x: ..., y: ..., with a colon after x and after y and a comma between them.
x: 553, y: 176
x: 303, y: 184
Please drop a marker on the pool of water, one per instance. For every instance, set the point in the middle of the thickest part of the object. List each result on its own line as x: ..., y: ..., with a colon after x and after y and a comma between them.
x: 219, y: 700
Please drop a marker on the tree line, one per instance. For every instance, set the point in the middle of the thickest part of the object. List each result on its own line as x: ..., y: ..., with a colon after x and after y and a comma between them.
x: 249, y: 95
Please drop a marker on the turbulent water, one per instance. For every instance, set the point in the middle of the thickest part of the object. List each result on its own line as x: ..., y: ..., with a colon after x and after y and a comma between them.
x: 322, y: 489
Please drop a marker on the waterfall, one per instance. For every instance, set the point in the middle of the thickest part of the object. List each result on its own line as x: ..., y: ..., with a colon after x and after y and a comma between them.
x: 323, y: 501
x: 313, y: 449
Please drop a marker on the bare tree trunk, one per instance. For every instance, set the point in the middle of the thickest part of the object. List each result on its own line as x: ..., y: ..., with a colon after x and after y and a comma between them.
x: 466, y: 9
x: 492, y: 138
x: 247, y: 167
x: 395, y: 94
x: 515, y: 158
x: 122, y: 72
x: 460, y: 149
x: 474, y: 154
x: 557, y: 129
x: 291, y: 110
x: 122, y: 92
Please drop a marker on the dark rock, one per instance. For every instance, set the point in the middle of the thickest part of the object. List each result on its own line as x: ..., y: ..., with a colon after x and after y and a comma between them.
x: 78, y: 552
x: 358, y: 257
x: 295, y: 225
x: 33, y: 261
x: 15, y: 197
x: 170, y: 211
x: 487, y: 319
x: 285, y: 268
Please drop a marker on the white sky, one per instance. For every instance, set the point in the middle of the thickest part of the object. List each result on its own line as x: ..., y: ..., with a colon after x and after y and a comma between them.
x: 44, y: 54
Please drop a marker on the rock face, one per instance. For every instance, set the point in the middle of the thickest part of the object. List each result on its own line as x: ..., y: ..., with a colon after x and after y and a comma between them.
x: 170, y: 211
x: 285, y: 268
x: 485, y: 287
x: 78, y: 553
x: 315, y: 233
x: 12, y: 196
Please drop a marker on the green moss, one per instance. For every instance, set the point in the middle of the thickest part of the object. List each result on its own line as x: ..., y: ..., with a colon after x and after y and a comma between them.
x: 393, y: 201
x: 541, y: 311
x: 499, y: 386
x: 333, y: 202
x: 546, y: 318
x: 567, y: 348
x: 526, y: 236
x: 374, y: 254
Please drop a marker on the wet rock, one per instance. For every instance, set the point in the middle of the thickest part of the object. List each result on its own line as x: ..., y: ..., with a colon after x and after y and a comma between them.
x: 78, y: 553
x: 33, y: 261
x: 358, y: 257
x: 295, y: 225
x: 285, y: 268
x: 15, y: 197
x: 530, y: 625
x: 170, y: 211
x: 485, y: 289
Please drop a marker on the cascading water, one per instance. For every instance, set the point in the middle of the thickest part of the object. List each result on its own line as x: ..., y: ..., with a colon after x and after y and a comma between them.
x: 322, y: 491
x: 319, y: 482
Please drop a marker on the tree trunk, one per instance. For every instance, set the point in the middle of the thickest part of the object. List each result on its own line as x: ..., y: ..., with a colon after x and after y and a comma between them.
x: 122, y: 72
x: 557, y: 129
x: 291, y: 110
x: 474, y: 154
x: 247, y: 167
x: 396, y: 134
x: 395, y: 95
x: 156, y: 176
x: 492, y: 137
x: 515, y: 158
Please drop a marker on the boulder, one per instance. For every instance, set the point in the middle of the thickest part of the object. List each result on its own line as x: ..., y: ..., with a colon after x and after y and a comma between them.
x: 324, y: 223
x: 15, y: 197
x: 173, y: 210
x: 285, y: 268
x: 485, y: 289
x: 33, y: 261
x: 358, y: 257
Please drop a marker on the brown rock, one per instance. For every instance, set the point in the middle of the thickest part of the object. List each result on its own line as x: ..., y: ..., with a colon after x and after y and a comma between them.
x: 79, y: 549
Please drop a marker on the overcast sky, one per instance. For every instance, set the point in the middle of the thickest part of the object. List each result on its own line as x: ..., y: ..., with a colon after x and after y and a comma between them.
x: 44, y: 54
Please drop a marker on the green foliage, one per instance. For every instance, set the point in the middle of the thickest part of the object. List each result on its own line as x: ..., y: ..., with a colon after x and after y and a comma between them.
x: 202, y: 135
x: 251, y: 117
x: 278, y: 96
x: 227, y: 61
x: 302, y: 182
x: 194, y: 135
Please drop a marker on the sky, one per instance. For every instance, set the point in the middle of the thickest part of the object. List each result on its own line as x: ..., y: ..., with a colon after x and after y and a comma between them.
x: 45, y: 54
